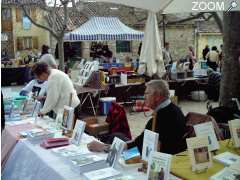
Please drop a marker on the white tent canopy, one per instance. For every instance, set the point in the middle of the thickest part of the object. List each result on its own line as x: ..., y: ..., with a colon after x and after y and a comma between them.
x: 103, y: 29
x: 151, y: 59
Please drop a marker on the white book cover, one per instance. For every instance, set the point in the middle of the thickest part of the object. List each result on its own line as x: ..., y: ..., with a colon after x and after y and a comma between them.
x: 78, y: 131
x: 199, y: 153
x: 150, y: 143
x: 115, y: 152
x: 101, y: 173
x: 67, y: 118
x: 226, y: 174
x: 70, y: 151
x: 86, y: 160
x: 123, y: 177
x: 206, y: 129
x: 227, y: 158
x: 234, y: 126
x: 159, y: 166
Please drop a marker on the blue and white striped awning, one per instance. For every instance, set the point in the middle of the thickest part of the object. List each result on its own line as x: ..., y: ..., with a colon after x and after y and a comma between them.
x: 103, y: 29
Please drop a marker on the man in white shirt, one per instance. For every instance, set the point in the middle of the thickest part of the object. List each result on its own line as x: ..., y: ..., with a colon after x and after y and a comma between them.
x: 167, y: 58
x: 59, y: 90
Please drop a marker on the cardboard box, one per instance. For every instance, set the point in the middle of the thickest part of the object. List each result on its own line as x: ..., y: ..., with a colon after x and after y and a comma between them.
x: 94, y: 127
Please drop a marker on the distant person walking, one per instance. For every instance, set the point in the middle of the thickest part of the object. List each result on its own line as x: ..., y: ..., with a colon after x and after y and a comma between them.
x: 47, y: 57
x: 213, y: 58
x: 167, y: 58
x: 205, y: 52
x: 191, y: 57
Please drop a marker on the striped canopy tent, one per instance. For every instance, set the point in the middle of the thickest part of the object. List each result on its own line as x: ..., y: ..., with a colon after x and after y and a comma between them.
x: 103, y: 29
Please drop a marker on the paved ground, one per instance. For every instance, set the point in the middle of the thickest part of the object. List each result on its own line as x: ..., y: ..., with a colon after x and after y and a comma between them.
x: 138, y: 120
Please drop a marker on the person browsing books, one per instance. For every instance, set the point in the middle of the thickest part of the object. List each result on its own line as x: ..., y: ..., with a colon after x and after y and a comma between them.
x: 170, y: 121
x: 59, y: 90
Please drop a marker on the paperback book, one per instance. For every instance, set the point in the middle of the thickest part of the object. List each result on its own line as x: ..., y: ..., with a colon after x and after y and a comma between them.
x: 150, y: 143
x: 101, y: 174
x: 88, y: 162
x: 234, y: 126
x: 227, y: 158
x: 159, y: 166
x: 199, y: 154
x: 67, y: 118
x: 206, y: 129
x: 228, y: 173
x: 78, y: 131
x: 115, y: 152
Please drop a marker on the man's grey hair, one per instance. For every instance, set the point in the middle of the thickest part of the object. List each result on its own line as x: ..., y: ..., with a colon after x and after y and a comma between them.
x: 160, y: 86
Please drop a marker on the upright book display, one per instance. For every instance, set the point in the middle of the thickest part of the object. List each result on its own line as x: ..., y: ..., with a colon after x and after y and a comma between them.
x: 159, y: 166
x: 199, y: 153
x: 234, y: 126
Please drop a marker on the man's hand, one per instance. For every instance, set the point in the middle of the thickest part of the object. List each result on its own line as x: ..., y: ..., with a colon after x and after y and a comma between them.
x: 41, y: 98
x: 96, y: 146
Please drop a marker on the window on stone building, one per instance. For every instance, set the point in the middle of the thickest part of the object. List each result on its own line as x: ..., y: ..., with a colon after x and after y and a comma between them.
x: 6, y: 14
x: 24, y: 43
x: 123, y: 46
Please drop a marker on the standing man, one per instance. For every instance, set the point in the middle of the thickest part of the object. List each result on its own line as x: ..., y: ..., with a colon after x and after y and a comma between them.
x: 167, y: 58
x: 59, y: 90
x: 205, y: 52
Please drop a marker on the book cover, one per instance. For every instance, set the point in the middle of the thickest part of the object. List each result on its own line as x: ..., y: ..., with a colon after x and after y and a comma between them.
x: 199, y: 154
x: 206, y: 129
x: 115, y: 152
x: 69, y: 151
x: 85, y: 160
x: 123, y: 177
x: 150, y: 143
x: 234, y: 126
x: 159, y: 166
x: 67, y: 118
x: 226, y: 174
x: 130, y: 153
x: 78, y: 131
x: 101, y: 174
x: 226, y: 158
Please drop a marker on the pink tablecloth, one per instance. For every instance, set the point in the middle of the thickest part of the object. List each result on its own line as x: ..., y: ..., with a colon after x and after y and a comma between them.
x: 10, y: 137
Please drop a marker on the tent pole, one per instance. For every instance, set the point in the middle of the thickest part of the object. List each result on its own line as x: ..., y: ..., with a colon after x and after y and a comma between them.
x: 164, y: 33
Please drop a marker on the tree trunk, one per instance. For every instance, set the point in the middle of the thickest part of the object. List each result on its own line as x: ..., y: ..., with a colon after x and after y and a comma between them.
x: 230, y: 83
x: 61, y: 54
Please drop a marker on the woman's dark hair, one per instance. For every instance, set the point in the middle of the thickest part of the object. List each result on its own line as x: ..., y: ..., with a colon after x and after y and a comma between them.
x: 214, y: 48
x: 44, y: 49
x: 40, y: 68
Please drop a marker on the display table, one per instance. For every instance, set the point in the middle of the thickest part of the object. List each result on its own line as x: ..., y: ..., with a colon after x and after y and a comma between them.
x: 183, y: 87
x: 181, y: 164
x: 9, y: 139
x: 19, y: 75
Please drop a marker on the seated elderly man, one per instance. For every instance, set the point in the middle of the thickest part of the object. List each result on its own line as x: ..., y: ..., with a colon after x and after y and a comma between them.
x: 170, y: 121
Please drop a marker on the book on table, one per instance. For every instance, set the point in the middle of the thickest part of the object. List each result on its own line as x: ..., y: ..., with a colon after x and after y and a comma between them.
x: 78, y: 131
x: 199, y: 153
x: 88, y: 162
x: 101, y: 174
x: 131, y: 156
x: 206, y: 129
x: 159, y: 166
x: 234, y: 127
x: 228, y: 173
x: 226, y: 158
x: 67, y: 117
x: 150, y: 143
x: 70, y: 151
